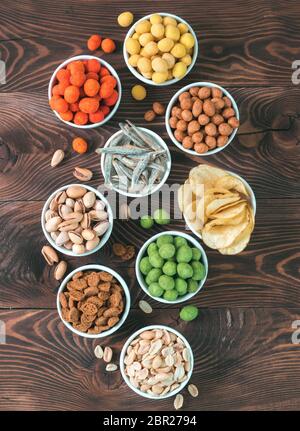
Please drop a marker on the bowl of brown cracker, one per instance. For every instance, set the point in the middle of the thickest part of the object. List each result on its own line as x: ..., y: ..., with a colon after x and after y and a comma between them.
x: 93, y: 301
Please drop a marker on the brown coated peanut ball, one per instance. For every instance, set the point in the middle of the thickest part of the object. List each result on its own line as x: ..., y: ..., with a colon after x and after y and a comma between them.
x: 183, y: 95
x: 186, y: 103
x: 225, y: 129
x: 211, y: 142
x: 211, y: 129
x: 186, y: 115
x: 227, y: 102
x: 209, y: 108
x: 222, y: 140
x: 200, y: 148
x: 233, y: 122
x: 228, y: 112
x: 204, y: 93
x: 194, y: 91
x: 158, y: 108
x: 203, y: 119
x: 197, y: 137
x: 187, y: 143
x: 182, y: 125
x: 197, y: 107
x: 173, y: 122
x: 179, y: 135
x: 149, y: 115
x: 216, y: 92
x: 217, y: 119
x: 176, y: 112
x: 193, y: 127
x: 218, y: 102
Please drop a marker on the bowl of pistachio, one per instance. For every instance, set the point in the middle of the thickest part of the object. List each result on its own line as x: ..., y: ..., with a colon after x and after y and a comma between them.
x: 77, y: 220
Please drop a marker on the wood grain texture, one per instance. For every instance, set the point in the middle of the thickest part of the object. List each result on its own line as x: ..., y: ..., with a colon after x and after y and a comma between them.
x: 242, y: 339
x: 234, y: 353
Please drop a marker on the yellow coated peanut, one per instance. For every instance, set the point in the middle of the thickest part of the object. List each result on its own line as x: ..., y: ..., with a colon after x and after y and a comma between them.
x: 133, y: 46
x: 178, y: 50
x: 138, y: 92
x: 143, y: 27
x: 187, y: 40
x: 155, y: 19
x: 179, y: 70
x: 125, y: 19
x: 165, y: 44
x: 159, y: 77
x: 172, y: 32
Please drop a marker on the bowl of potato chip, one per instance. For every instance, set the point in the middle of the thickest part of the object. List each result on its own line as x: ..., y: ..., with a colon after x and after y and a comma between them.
x: 219, y: 207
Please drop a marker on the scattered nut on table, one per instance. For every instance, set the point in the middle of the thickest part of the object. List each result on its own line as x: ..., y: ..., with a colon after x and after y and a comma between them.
x: 57, y: 158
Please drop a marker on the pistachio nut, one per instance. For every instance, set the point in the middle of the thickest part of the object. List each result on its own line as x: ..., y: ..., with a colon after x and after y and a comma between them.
x: 88, y: 234
x: 70, y: 202
x: 75, y: 192
x: 78, y: 248
x: 79, y: 229
x: 54, y: 235
x: 75, y: 237
x: 60, y: 270
x: 60, y: 197
x: 49, y: 214
x: 62, y: 238
x: 79, y: 206
x: 68, y: 245
x: 82, y: 174
x: 57, y: 157
x: 98, y: 205
x: 63, y: 210
x: 92, y: 243
x: 49, y: 254
x: 98, y: 215
x: 74, y: 216
x: 67, y: 225
x: 101, y: 227
x: 53, y: 205
x: 86, y: 221
x: 89, y: 199
x: 52, y: 224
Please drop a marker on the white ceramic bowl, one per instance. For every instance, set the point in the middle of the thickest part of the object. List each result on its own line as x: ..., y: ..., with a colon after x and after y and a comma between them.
x: 166, y: 174
x: 252, y: 200
x: 174, y: 100
x: 139, y: 76
x: 124, y: 350
x: 142, y: 253
x: 103, y: 63
x: 104, y: 238
x: 126, y: 293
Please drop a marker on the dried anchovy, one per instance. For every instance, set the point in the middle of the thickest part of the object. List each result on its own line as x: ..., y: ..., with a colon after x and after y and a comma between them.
x: 134, y: 162
x: 143, y: 136
x: 121, y: 150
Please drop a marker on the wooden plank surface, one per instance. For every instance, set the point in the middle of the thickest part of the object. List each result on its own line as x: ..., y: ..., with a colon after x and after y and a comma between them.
x: 244, y: 359
x: 244, y: 355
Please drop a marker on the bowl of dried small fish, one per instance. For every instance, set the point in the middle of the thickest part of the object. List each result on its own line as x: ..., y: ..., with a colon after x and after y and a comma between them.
x: 135, y: 161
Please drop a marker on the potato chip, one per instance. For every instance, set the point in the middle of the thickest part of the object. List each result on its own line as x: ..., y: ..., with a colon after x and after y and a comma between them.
x: 230, y: 182
x: 218, y: 207
x: 230, y: 211
x: 241, y: 241
x: 218, y: 204
x: 220, y: 236
x: 206, y: 175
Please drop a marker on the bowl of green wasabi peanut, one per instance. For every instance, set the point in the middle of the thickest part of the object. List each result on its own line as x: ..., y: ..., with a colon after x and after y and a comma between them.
x: 171, y: 267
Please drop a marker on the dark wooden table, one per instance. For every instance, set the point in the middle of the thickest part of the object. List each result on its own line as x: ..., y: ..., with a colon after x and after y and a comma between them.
x: 245, y: 358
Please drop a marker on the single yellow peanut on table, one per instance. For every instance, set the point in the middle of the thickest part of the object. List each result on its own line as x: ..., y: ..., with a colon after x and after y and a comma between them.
x: 138, y: 92
x: 125, y: 19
